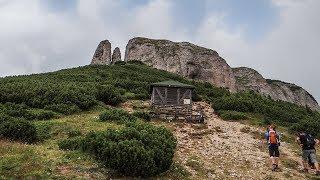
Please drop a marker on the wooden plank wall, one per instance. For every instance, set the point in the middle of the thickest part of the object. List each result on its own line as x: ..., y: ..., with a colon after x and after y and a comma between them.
x: 170, y: 96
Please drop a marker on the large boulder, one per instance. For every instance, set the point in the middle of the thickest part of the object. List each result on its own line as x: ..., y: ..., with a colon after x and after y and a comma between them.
x: 102, y: 55
x: 116, y: 55
x: 183, y: 58
x: 250, y: 79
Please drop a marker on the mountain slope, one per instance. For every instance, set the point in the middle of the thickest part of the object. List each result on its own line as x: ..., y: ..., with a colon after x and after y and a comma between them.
x: 86, y: 92
x: 226, y: 150
x: 199, y: 63
x: 250, y: 79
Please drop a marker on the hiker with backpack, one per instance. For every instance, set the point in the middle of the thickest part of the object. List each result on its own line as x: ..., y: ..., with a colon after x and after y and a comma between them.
x: 308, y: 143
x: 273, y: 140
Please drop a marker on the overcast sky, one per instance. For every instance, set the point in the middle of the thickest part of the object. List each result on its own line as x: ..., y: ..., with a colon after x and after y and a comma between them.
x: 279, y: 38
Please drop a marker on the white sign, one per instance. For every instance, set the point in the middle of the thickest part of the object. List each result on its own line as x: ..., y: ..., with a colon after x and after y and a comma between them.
x: 186, y: 101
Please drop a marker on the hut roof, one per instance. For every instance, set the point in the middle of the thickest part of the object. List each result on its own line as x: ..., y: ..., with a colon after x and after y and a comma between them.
x: 172, y: 84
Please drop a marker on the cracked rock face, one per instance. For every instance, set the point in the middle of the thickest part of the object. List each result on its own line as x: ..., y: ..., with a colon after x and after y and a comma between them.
x: 102, y: 55
x: 292, y: 93
x: 116, y: 55
x: 182, y: 58
x: 199, y: 63
x: 250, y: 79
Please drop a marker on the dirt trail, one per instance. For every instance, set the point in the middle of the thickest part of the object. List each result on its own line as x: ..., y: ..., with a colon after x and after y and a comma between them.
x: 221, y: 149
x: 228, y: 150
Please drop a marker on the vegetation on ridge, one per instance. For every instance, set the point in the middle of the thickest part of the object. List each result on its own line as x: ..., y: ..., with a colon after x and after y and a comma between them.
x: 31, y: 104
x: 73, y: 90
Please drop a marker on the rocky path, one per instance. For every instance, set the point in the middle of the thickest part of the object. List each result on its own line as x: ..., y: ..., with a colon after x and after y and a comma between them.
x: 221, y: 149
x: 228, y: 150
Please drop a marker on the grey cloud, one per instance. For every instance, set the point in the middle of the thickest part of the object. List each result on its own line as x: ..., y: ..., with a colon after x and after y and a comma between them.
x: 33, y: 39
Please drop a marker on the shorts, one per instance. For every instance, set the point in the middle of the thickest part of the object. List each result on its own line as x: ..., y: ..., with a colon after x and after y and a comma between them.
x: 274, y: 150
x: 306, y: 154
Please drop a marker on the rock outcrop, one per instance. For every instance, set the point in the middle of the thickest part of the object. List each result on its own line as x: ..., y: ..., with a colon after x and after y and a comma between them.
x: 250, y: 79
x: 183, y: 58
x: 292, y: 93
x: 102, y: 55
x: 116, y: 55
x: 199, y: 63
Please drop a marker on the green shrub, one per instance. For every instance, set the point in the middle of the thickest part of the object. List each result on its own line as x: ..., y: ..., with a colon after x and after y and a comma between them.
x: 74, y: 133
x: 40, y: 114
x: 18, y: 130
x: 15, y: 110
x: 109, y: 95
x: 23, y: 111
x: 309, y: 125
x: 279, y: 112
x: 142, y: 115
x: 44, y: 129
x: 137, y: 150
x: 77, y: 89
x: 117, y: 115
x: 135, y: 62
x: 71, y: 143
x: 4, y: 117
x: 120, y: 63
x: 232, y: 115
x: 66, y: 109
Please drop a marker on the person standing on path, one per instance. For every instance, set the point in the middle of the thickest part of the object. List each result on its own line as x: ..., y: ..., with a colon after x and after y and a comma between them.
x: 273, y: 140
x: 308, y: 143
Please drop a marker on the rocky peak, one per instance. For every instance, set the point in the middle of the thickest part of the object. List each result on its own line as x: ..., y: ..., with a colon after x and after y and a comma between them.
x: 292, y: 93
x: 250, y: 79
x: 116, y: 55
x: 183, y: 58
x: 199, y: 63
x: 102, y: 55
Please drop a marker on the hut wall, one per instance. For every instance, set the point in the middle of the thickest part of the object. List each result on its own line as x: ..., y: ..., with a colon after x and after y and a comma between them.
x: 168, y: 96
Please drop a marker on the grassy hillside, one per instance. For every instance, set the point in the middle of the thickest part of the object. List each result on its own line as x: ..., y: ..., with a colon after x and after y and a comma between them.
x: 46, y: 110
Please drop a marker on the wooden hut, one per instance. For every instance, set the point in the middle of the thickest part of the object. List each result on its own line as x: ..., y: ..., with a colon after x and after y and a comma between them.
x: 172, y: 100
x: 171, y: 93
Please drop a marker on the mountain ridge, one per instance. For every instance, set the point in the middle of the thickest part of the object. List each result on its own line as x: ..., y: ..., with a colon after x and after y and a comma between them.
x: 200, y: 63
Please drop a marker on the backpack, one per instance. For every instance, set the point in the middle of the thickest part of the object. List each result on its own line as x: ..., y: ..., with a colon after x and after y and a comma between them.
x: 308, y: 141
x: 273, y: 137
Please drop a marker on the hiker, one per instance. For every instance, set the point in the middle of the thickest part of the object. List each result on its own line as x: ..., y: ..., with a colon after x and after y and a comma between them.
x: 273, y: 140
x: 308, y: 143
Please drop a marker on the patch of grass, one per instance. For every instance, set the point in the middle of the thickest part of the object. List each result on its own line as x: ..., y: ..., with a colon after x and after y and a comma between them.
x: 312, y: 177
x: 83, y: 122
x: 177, y: 171
x: 289, y: 163
x: 119, y: 116
x: 195, y: 163
x: 142, y: 115
x: 232, y: 115
x: 20, y: 161
x: 44, y: 128
x: 44, y: 160
x: 288, y: 138
x: 139, y: 105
